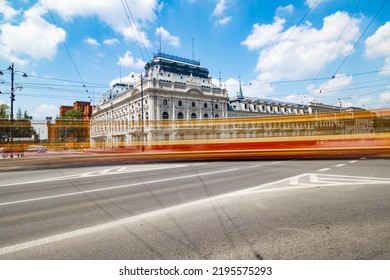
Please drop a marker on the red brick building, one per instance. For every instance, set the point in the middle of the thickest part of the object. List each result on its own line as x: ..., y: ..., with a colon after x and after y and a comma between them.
x: 71, y: 133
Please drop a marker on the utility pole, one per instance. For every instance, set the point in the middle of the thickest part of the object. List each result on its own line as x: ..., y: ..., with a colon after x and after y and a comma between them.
x: 345, y: 98
x: 13, y: 89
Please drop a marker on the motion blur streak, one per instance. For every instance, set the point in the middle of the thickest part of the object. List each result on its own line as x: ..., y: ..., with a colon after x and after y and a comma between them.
x: 344, y: 134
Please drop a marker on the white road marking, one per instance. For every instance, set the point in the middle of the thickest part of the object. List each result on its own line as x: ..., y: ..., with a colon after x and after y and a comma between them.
x: 105, y: 172
x: 353, y: 161
x: 257, y: 189
x: 323, y: 169
x: 340, y: 165
x: 114, y: 188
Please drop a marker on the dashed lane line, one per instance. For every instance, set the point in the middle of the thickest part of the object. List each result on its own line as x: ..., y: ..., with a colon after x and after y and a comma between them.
x: 115, y: 187
x: 293, y: 183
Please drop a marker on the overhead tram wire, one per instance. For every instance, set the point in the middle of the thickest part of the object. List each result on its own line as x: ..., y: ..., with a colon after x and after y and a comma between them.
x: 338, y: 39
x: 361, y: 36
x: 133, y: 24
x: 316, y: 79
x: 66, y: 46
x: 71, y: 83
x: 289, y: 35
x: 50, y: 96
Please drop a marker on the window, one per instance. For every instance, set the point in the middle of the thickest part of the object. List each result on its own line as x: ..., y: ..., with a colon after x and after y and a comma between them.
x: 205, y: 116
x: 193, y: 104
x: 216, y: 106
x: 205, y: 105
x: 165, y: 116
x: 180, y: 103
x: 165, y: 102
x: 180, y: 116
x: 193, y: 116
x: 216, y: 116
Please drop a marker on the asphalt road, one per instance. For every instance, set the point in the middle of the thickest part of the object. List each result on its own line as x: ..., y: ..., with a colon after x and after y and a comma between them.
x: 305, y: 209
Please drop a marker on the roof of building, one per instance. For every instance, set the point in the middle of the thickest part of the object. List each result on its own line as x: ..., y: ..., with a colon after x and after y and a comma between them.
x: 177, y: 65
x: 263, y: 100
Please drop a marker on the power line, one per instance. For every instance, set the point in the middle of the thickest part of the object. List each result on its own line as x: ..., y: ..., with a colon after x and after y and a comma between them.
x: 68, y: 81
x: 133, y: 24
x: 316, y: 79
x: 361, y: 36
x: 64, y: 43
x: 289, y: 35
x: 338, y: 39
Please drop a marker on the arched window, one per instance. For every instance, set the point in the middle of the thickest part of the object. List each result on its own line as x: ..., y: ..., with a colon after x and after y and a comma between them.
x: 216, y: 116
x: 205, y: 116
x: 193, y: 116
x: 180, y: 116
x: 165, y: 116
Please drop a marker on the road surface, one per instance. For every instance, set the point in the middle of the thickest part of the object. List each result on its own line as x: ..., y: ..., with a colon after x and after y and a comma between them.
x: 266, y: 209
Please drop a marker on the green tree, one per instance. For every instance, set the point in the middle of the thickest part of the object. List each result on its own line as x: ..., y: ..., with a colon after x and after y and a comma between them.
x: 4, y: 122
x: 3, y: 111
x: 73, y: 114
x: 72, y: 126
x: 21, y: 127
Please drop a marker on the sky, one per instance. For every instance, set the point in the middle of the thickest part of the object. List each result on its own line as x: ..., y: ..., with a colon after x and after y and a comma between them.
x: 329, y: 51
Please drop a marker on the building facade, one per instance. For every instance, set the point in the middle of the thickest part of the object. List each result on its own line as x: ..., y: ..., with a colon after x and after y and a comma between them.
x: 172, y: 88
x: 176, y: 99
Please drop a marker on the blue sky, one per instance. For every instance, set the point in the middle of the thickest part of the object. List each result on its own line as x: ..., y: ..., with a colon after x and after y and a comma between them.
x: 298, y: 51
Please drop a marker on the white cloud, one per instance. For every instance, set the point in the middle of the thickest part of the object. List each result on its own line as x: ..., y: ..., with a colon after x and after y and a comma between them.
x: 166, y: 36
x: 127, y: 60
x: 385, y: 96
x: 363, y: 101
x: 332, y: 86
x: 297, y: 98
x: 112, y: 13
x: 254, y: 88
x: 219, y: 13
x: 310, y: 3
x: 45, y: 110
x: 7, y: 11
x: 92, y: 42
x: 129, y: 79
x: 33, y: 37
x: 224, y: 21
x: 378, y: 44
x: 220, y: 8
x: 299, y: 53
x: 111, y: 42
x: 264, y: 34
x: 283, y: 10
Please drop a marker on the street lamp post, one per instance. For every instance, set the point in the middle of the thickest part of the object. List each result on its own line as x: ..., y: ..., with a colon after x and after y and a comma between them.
x: 13, y: 89
x: 142, y: 112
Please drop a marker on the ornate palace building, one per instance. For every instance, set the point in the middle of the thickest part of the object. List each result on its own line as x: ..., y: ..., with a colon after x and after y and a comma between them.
x: 172, y: 88
x: 175, y: 99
